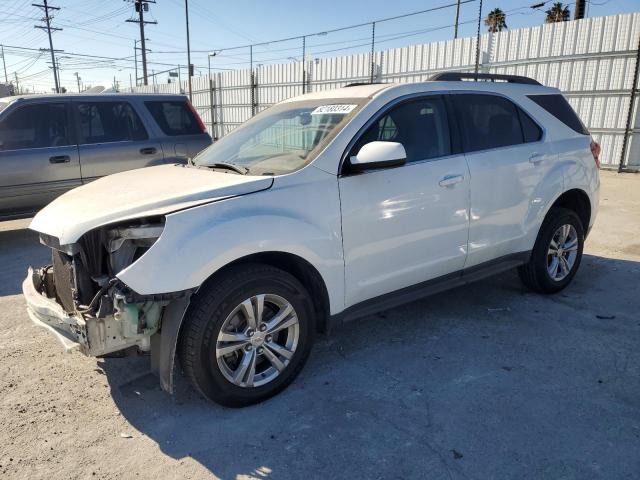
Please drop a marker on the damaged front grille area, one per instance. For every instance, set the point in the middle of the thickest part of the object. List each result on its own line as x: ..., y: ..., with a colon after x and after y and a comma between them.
x: 63, y: 279
x: 83, y: 280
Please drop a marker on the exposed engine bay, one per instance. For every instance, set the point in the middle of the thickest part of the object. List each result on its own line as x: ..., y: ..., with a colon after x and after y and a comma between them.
x: 108, y: 315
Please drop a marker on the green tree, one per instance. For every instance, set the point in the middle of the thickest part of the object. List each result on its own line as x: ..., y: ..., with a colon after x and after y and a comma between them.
x: 558, y: 13
x: 496, y: 21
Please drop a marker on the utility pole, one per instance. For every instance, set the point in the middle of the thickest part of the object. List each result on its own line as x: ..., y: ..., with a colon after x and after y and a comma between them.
x: 78, y: 80
x: 47, y: 19
x: 4, y: 63
x: 135, y: 58
x: 580, y: 7
x: 141, y: 7
x: 478, y: 38
x: 189, y: 72
x: 455, y: 32
x: 17, y: 87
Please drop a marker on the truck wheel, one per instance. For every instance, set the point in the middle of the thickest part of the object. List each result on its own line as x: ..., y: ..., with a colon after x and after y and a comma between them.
x: 557, y: 252
x: 247, y: 334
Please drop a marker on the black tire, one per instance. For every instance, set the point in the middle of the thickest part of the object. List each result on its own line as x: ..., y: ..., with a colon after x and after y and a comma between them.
x: 209, y: 309
x: 535, y: 274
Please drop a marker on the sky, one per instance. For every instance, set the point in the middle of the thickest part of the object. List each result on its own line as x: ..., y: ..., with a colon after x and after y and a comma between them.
x: 98, y: 29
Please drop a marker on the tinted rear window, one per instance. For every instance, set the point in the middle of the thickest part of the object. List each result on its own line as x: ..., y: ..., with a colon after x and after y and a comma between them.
x: 558, y: 106
x: 174, y: 117
x: 488, y: 121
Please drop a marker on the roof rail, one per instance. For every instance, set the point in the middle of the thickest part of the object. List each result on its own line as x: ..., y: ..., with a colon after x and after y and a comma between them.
x: 487, y: 77
x: 360, y: 84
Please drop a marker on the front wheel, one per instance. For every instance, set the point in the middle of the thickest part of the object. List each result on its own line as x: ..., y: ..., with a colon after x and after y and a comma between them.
x: 247, y: 335
x: 557, y: 252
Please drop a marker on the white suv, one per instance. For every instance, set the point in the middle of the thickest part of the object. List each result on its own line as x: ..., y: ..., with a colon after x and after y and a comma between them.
x: 330, y: 205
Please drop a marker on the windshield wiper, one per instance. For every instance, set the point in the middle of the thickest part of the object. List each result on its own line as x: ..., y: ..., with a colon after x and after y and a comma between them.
x: 230, y: 166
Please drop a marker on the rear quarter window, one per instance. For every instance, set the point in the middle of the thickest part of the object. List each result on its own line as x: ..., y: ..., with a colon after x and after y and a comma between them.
x: 173, y: 117
x: 558, y: 106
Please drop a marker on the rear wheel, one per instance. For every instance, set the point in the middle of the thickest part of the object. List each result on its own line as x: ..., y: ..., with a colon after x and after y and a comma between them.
x: 247, y: 335
x: 557, y: 252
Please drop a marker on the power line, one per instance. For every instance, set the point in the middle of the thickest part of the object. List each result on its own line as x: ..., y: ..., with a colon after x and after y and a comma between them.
x: 333, y: 30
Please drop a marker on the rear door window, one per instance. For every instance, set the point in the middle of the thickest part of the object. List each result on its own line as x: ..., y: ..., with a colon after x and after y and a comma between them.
x: 105, y: 122
x: 487, y: 121
x: 558, y: 106
x: 36, y: 126
x: 530, y: 129
x: 421, y: 126
x: 174, y: 117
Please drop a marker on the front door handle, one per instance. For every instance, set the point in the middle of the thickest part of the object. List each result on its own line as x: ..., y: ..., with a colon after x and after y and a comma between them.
x: 451, y: 180
x: 148, y: 150
x: 536, y: 158
x: 60, y: 159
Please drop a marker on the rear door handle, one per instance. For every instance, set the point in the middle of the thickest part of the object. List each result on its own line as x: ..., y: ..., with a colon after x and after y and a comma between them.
x: 60, y: 159
x: 451, y: 180
x: 536, y: 158
x: 148, y: 150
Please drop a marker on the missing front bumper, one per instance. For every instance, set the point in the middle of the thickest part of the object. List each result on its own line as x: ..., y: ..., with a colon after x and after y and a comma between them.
x: 127, y: 325
x: 48, y: 314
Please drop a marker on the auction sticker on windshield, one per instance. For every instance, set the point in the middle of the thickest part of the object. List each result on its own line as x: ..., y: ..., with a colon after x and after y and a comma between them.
x: 335, y: 109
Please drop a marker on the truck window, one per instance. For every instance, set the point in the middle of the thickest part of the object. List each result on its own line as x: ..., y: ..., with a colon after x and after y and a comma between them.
x: 36, y: 126
x: 174, y: 117
x: 421, y: 126
x: 487, y: 121
x: 104, y: 122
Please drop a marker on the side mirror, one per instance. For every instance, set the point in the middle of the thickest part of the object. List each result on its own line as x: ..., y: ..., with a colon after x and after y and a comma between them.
x: 378, y: 155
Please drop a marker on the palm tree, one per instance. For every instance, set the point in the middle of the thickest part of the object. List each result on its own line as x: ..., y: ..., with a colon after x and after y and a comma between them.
x: 558, y: 13
x: 496, y: 20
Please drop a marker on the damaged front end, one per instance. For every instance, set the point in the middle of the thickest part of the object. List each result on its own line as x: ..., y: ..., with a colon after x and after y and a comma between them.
x: 80, y: 298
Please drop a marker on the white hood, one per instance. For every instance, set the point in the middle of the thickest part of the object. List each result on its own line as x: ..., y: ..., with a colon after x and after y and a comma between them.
x: 139, y: 193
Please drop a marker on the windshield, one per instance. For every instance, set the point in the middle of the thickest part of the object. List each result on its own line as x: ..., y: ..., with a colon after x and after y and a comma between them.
x: 283, y: 138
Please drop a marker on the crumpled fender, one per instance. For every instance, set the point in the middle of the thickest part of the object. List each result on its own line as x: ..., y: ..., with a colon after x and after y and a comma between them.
x: 199, y: 241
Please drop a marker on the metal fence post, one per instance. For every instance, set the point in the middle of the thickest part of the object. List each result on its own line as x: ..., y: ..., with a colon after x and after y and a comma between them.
x: 221, y: 110
x: 212, y: 103
x: 304, y: 64
x: 373, y: 46
x: 253, y: 93
x: 478, y: 38
x: 629, y: 127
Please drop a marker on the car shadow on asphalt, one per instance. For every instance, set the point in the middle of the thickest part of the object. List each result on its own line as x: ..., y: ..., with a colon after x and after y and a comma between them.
x: 446, y: 385
x: 19, y: 249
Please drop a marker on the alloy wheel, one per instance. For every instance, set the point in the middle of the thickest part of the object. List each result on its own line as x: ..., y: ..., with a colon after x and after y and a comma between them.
x: 257, y: 340
x: 562, y: 252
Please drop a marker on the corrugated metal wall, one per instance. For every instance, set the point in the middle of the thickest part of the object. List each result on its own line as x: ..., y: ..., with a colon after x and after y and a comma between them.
x: 592, y: 61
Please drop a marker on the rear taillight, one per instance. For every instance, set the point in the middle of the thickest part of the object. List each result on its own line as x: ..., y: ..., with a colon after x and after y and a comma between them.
x: 595, y: 151
x: 201, y: 124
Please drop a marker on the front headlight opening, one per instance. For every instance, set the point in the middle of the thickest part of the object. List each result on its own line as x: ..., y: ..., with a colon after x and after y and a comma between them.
x: 128, y: 243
